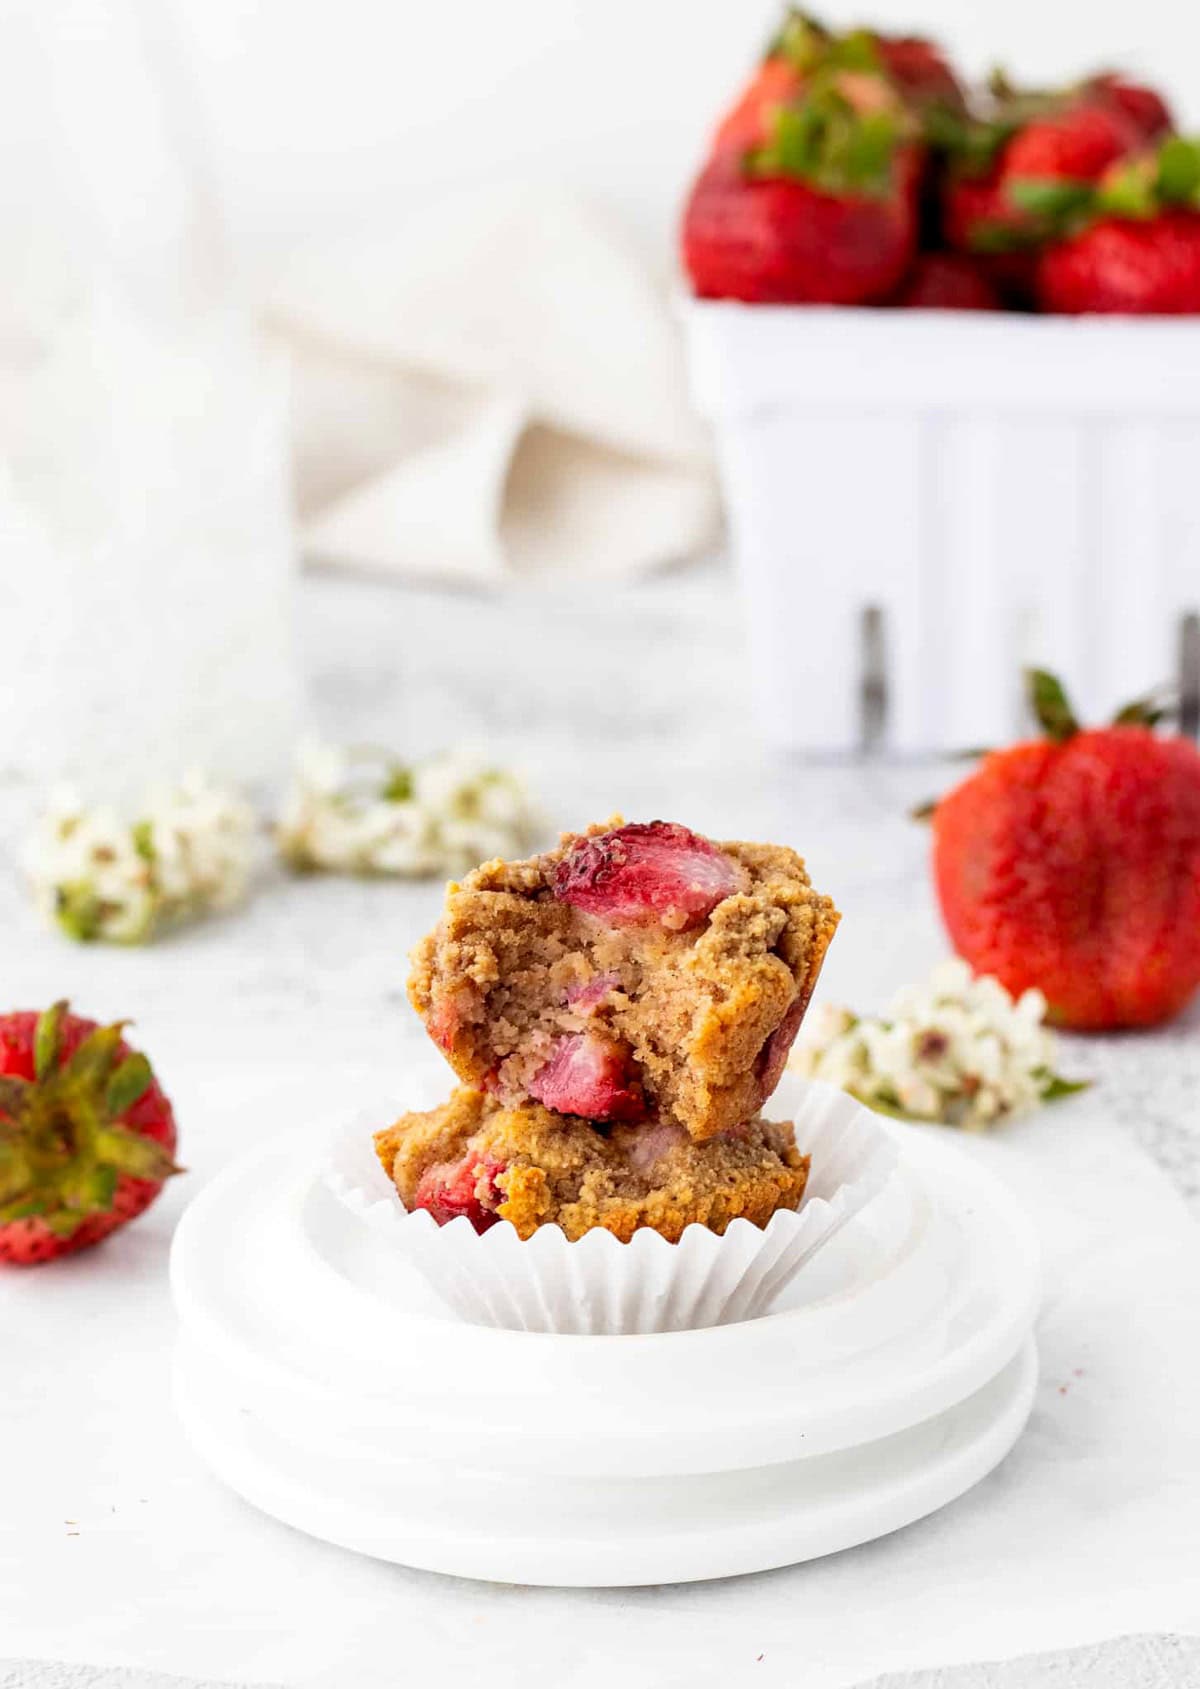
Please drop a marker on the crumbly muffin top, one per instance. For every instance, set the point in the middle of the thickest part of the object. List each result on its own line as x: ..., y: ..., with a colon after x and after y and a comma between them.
x: 634, y: 972
x: 476, y: 1157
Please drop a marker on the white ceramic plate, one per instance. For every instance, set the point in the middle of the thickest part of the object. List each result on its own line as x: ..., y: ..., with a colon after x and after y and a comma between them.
x: 634, y: 1530
x: 919, y: 1303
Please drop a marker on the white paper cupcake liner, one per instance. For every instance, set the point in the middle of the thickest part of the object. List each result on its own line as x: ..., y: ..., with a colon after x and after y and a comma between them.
x: 601, y: 1287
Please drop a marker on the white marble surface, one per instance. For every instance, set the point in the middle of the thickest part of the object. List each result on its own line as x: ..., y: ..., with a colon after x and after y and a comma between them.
x: 629, y: 698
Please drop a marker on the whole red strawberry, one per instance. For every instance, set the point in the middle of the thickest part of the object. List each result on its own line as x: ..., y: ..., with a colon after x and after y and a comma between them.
x: 1125, y: 265
x: 1131, y: 243
x: 1072, y: 864
x: 824, y: 212
x: 1063, y: 148
x: 1075, y: 144
x: 784, y: 242
x: 947, y: 281
x: 86, y: 1135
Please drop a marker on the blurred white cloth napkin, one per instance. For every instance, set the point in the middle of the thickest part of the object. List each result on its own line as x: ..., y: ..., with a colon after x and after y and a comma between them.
x: 493, y: 384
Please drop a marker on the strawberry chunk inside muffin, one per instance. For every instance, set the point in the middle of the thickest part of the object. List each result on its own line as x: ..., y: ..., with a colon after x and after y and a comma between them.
x: 639, y: 874
x: 467, y: 1187
x: 637, y: 973
x: 592, y: 1076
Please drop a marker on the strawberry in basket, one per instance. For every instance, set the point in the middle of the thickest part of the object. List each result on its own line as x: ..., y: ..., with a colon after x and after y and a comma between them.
x: 1048, y: 139
x: 804, y: 50
x: 1071, y: 864
x: 948, y: 281
x: 824, y: 211
x: 1143, y: 106
x: 1131, y: 245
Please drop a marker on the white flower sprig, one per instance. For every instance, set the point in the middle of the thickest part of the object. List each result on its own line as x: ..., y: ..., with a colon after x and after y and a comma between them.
x: 360, y: 811
x: 101, y: 876
x: 956, y: 1049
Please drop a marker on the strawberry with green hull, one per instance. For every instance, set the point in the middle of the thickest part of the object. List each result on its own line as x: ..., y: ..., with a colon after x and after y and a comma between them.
x: 823, y: 213
x: 1130, y: 245
x: 804, y: 54
x: 986, y: 207
x: 1071, y: 865
x: 87, y: 1137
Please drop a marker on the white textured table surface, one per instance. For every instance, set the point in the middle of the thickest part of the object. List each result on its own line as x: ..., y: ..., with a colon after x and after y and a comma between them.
x: 630, y: 699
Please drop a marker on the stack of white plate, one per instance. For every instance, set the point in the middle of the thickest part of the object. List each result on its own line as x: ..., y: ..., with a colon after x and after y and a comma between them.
x: 324, y: 1383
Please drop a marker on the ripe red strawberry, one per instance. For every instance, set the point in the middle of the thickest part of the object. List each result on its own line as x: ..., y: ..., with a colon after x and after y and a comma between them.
x: 1143, y: 106
x: 1072, y: 864
x: 782, y: 240
x: 947, y: 281
x: 466, y: 1187
x: 592, y: 1076
x: 1123, y: 265
x: 86, y: 1135
x: 1077, y: 143
x: 1131, y: 242
x: 646, y: 873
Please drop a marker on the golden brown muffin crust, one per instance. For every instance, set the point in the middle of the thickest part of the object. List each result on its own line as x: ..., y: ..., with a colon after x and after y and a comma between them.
x: 560, y: 1170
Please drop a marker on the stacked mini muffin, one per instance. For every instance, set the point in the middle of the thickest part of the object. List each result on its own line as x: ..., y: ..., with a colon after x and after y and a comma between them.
x: 619, y: 1010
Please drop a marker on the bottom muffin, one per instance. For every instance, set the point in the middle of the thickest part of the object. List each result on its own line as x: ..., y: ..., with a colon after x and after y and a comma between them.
x: 474, y: 1157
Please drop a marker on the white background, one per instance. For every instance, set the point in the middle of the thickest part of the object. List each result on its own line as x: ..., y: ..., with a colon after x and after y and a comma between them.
x: 326, y: 110
x: 316, y: 116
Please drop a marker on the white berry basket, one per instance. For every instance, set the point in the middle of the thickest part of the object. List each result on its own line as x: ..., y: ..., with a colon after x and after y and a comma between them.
x: 921, y: 502
x: 598, y: 1286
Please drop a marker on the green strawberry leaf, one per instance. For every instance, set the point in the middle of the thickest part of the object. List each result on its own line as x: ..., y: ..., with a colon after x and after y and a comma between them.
x: 869, y: 148
x: 1146, y: 712
x: 47, y: 1039
x: 1178, y: 179
x: 130, y: 1081
x: 857, y: 51
x: 22, y: 1208
x: 1053, y: 199
x: 92, y: 1061
x: 1049, y: 703
x: 1128, y: 192
x: 823, y: 140
x: 131, y: 1153
x: 801, y: 40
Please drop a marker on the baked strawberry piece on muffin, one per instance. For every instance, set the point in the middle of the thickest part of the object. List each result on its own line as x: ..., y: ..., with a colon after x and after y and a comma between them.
x: 637, y: 972
x: 474, y: 1157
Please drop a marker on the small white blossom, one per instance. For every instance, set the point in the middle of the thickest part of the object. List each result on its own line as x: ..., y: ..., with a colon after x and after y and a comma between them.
x: 362, y: 812
x: 101, y: 876
x: 953, y: 1048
